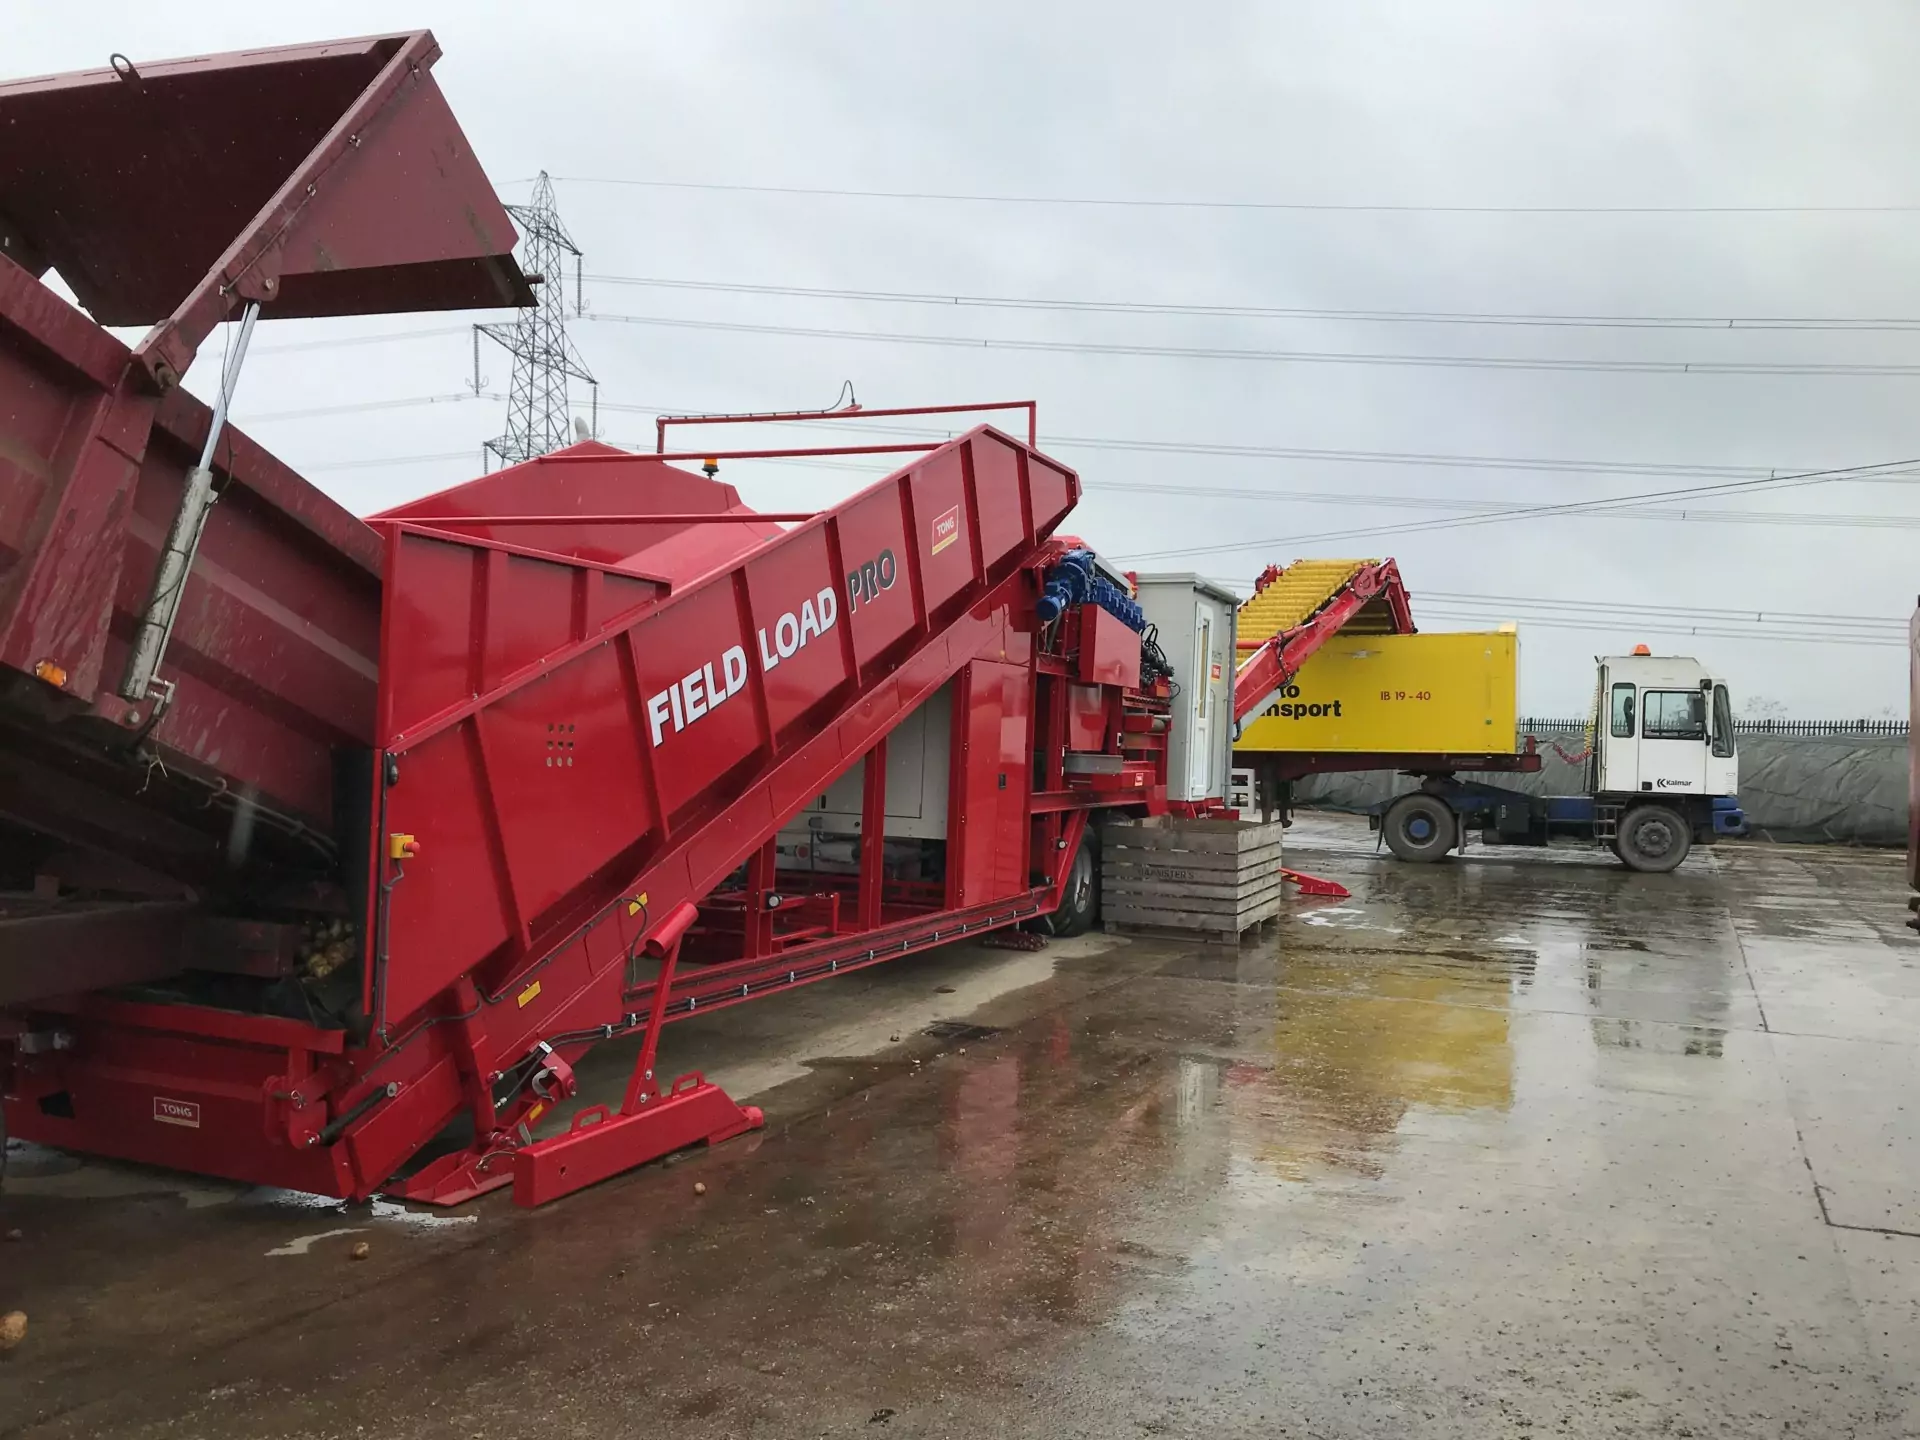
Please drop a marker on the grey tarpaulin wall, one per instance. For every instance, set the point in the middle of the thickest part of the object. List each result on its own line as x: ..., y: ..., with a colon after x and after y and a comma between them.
x: 1849, y: 789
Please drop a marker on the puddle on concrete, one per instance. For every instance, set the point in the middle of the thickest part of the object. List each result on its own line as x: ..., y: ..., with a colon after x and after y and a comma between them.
x: 1450, y: 1166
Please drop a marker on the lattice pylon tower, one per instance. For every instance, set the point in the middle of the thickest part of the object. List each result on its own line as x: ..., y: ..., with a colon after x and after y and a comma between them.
x: 538, y: 418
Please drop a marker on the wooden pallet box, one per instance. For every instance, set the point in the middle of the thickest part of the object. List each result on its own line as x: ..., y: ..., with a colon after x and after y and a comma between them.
x: 1219, y: 878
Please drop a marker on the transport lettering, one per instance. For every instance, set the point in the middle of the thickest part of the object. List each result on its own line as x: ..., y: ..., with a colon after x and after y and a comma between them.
x: 700, y: 692
x: 1291, y: 707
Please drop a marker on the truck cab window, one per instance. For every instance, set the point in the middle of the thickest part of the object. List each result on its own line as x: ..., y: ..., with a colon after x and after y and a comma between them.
x: 1722, y: 722
x: 1674, y: 715
x: 1622, y: 711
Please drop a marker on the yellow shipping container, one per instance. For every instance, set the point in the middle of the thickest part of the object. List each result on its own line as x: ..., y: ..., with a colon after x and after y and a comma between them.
x: 1404, y: 694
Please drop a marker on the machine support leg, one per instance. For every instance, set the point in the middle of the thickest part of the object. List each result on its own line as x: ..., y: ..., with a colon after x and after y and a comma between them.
x: 761, y: 870
x: 873, y: 835
x: 651, y: 1122
x: 640, y: 1085
x: 600, y: 1143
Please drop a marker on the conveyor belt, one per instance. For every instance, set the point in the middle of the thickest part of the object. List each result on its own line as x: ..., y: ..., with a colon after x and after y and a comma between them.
x: 1294, y: 611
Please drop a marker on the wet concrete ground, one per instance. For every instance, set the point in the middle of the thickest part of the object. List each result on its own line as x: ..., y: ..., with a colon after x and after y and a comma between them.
x: 1518, y: 1145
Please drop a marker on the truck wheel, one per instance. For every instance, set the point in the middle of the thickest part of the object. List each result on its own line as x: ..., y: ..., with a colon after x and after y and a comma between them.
x: 1420, y: 828
x: 1080, y: 896
x: 1653, y: 839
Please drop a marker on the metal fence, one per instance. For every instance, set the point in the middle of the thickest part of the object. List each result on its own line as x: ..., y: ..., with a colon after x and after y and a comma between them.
x: 1896, y: 728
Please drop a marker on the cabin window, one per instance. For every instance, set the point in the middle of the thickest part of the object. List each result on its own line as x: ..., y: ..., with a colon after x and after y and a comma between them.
x: 1622, y: 726
x: 1673, y: 715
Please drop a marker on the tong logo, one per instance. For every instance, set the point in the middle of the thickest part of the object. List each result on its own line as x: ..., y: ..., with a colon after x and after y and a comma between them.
x: 946, y: 529
x: 176, y: 1112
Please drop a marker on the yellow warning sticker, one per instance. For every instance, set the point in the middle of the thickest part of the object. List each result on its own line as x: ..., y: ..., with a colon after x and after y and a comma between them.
x: 528, y: 995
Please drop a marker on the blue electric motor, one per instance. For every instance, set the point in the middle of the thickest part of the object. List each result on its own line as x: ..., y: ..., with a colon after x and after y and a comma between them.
x: 1076, y: 581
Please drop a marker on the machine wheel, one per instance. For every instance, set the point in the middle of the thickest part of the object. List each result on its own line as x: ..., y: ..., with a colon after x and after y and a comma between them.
x: 1420, y: 828
x: 1653, y: 839
x: 1080, y: 897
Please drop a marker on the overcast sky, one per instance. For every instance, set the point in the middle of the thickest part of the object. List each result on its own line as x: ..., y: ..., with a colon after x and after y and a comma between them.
x: 1507, y: 103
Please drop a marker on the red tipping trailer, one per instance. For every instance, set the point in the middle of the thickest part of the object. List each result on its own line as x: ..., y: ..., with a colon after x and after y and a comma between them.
x: 352, y: 831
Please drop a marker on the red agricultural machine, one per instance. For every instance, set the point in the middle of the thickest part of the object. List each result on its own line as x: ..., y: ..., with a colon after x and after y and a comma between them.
x: 327, y: 845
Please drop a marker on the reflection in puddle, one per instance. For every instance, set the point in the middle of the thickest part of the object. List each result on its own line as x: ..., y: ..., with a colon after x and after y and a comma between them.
x: 1358, y: 1042
x: 1663, y: 1004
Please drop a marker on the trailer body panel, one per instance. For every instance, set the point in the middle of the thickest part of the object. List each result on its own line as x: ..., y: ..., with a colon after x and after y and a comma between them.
x: 1402, y: 694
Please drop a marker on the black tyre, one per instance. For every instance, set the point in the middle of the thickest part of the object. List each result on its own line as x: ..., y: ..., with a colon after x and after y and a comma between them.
x: 1653, y: 839
x: 1080, y: 896
x: 1420, y: 828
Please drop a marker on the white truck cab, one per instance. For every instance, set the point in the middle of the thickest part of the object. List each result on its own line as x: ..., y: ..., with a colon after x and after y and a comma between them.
x: 1664, y: 727
x: 1665, y: 765
x: 1662, y: 773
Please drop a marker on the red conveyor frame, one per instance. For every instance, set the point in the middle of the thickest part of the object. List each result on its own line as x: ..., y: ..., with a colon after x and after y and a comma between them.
x: 513, y: 919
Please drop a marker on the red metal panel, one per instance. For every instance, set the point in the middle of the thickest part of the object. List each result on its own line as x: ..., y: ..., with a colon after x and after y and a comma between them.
x: 274, y: 644
x: 184, y: 1103
x: 1086, y: 717
x: 1052, y: 489
x: 797, y: 608
x: 702, y: 633
x: 426, y: 639
x: 996, y: 481
x: 593, y: 479
x: 873, y: 548
x: 993, y: 778
x: 1109, y: 650
x: 1015, y: 762
x: 940, y: 515
x: 568, y: 777
x: 319, y: 179
x: 504, y: 849
x: 1913, y: 754
x: 455, y: 890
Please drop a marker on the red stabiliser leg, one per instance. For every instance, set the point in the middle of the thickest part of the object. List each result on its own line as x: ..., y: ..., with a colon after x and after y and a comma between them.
x: 454, y: 1179
x: 1314, y: 885
x: 600, y: 1143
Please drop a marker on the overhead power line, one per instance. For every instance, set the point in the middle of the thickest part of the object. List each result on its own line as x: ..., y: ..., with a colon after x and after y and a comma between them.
x: 1490, y: 614
x: 1612, y: 507
x: 1421, y: 459
x: 1354, y: 499
x: 1712, y: 612
x: 1536, y: 618
x: 1166, y: 203
x: 386, y: 461
x: 1613, y: 618
x: 1572, y: 507
x: 1277, y: 312
x: 1632, y: 612
x: 340, y: 342
x: 358, y: 407
x: 1346, y: 498
x: 1295, y: 357
x: 1362, y: 457
x: 1660, y: 627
